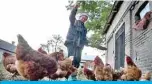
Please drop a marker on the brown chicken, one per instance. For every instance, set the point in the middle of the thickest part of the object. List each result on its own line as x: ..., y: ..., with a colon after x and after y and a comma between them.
x: 146, y: 77
x: 80, y: 74
x: 9, y: 63
x: 42, y: 51
x: 65, y: 68
x: 58, y: 74
x: 71, y: 70
x: 58, y: 56
x: 108, y: 72
x: 131, y: 72
x: 117, y: 75
x: 98, y: 69
x: 32, y: 64
x: 89, y: 74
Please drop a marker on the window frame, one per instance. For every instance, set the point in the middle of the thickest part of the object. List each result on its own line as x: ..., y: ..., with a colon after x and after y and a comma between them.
x: 137, y: 15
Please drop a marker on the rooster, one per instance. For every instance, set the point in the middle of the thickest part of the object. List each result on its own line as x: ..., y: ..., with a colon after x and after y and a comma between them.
x: 32, y: 64
x: 9, y: 63
x: 131, y: 71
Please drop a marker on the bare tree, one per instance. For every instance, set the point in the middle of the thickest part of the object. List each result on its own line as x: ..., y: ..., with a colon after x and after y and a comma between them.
x: 55, y: 43
x: 45, y: 46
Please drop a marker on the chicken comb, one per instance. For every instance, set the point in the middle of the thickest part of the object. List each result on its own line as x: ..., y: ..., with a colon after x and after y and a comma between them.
x: 85, y: 69
x: 129, y: 60
x: 128, y: 57
x: 41, y: 50
x: 147, y: 15
x: 98, y: 60
x: 6, y: 54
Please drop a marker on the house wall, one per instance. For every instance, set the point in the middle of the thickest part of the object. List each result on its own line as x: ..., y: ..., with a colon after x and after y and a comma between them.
x: 6, y: 47
x: 142, y: 44
x: 138, y: 43
x: 115, y: 26
x: 1, y: 54
x: 110, y: 55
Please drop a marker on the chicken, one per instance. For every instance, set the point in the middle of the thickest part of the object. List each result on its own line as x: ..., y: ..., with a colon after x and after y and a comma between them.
x: 65, y: 68
x: 42, y: 51
x: 71, y: 70
x: 66, y: 65
x: 143, y: 23
x: 32, y: 64
x: 58, y: 74
x: 108, y: 72
x: 131, y: 71
x: 61, y: 55
x: 58, y: 56
x: 98, y: 69
x: 89, y: 74
x: 117, y: 75
x: 146, y: 77
x: 9, y: 63
x: 80, y: 74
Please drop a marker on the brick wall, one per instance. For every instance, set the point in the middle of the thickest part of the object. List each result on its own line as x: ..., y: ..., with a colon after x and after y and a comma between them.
x: 142, y: 44
x: 138, y: 43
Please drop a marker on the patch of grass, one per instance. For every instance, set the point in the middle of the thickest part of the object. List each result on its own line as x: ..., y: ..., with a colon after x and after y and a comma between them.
x: 5, y: 75
x: 2, y: 75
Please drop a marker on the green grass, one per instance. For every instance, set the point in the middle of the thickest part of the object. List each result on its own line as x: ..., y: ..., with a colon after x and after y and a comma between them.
x: 2, y: 77
x: 5, y: 75
x: 1, y: 66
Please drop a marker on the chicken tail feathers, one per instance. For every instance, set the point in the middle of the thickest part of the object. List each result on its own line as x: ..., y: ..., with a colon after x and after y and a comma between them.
x: 22, y: 41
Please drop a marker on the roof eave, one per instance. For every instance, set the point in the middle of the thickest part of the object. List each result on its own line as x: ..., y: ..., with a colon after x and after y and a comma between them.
x: 112, y: 14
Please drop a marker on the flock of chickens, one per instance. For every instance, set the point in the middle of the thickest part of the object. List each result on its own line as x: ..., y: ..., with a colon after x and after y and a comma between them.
x: 37, y: 64
x: 103, y: 72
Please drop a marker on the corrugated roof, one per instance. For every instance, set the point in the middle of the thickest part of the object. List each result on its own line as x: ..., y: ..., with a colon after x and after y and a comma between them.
x: 112, y: 14
x: 7, y: 46
x: 88, y: 57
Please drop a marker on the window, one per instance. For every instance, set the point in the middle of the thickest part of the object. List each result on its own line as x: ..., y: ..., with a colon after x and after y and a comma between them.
x: 144, y: 11
x: 145, y: 7
x: 120, y: 47
x: 143, y: 15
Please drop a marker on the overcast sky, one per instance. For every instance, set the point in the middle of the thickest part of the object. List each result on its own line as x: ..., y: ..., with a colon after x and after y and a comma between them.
x: 35, y: 20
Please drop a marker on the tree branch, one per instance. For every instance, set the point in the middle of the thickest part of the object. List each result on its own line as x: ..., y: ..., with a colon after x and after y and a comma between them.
x: 98, y: 47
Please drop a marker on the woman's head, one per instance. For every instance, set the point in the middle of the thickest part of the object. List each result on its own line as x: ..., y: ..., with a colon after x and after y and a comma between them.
x: 83, y: 17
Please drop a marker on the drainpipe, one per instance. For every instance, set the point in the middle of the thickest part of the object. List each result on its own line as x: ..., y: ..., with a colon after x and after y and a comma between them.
x: 131, y: 33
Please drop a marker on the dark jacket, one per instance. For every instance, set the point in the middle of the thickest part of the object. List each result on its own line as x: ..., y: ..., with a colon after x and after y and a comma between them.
x: 77, y: 31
